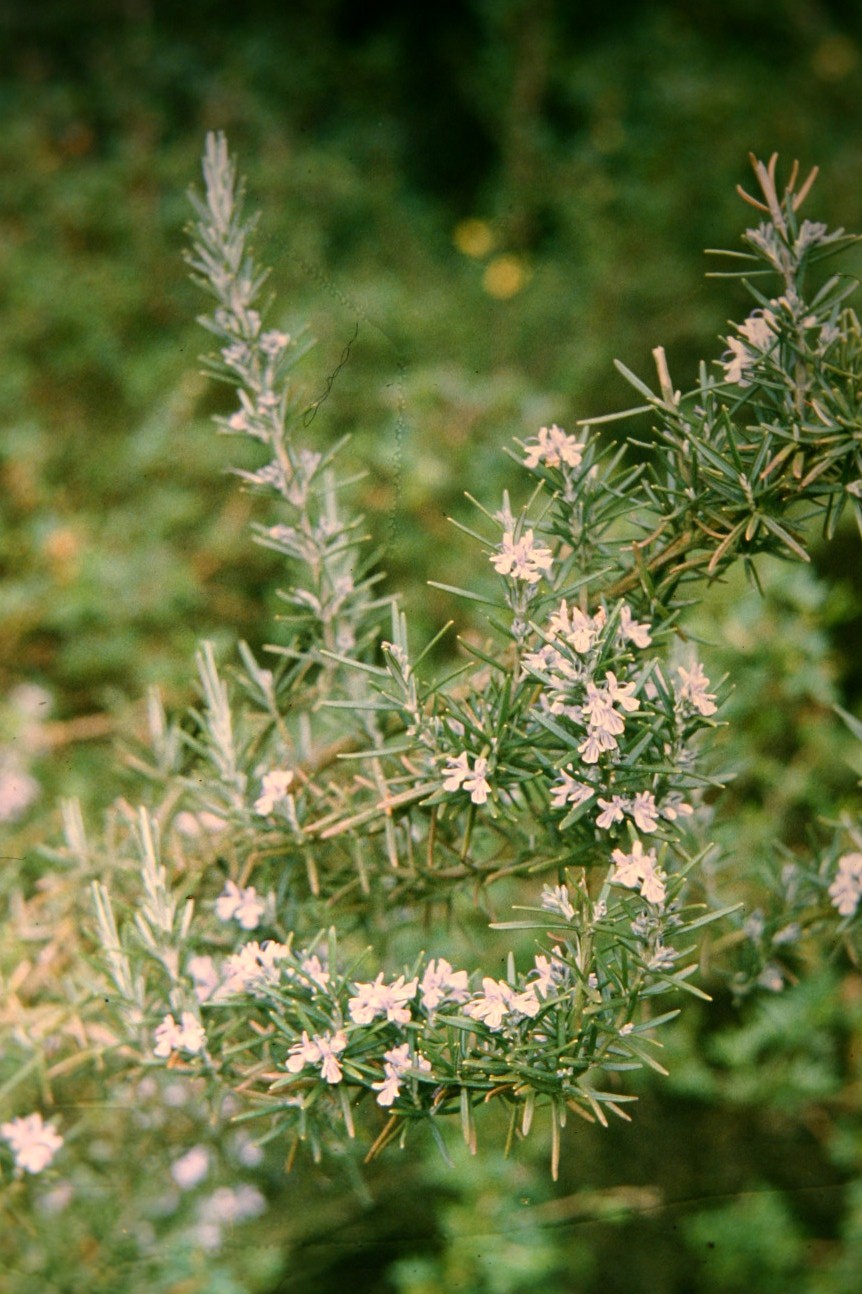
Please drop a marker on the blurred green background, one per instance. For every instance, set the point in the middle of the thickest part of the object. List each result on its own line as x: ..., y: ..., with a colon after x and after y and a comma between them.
x: 487, y: 202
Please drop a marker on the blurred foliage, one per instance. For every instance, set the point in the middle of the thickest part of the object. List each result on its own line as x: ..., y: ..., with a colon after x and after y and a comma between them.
x: 502, y: 197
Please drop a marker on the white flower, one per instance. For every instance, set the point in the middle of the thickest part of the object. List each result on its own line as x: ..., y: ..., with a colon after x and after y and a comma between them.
x: 579, y: 630
x: 594, y: 744
x: 549, y: 971
x: 653, y: 886
x: 740, y: 360
x: 638, y: 870
x: 457, y: 769
x: 643, y: 809
x: 377, y: 998
x: 192, y: 824
x: 556, y: 899
x: 601, y: 714
x: 628, y: 870
x: 322, y: 1050
x: 251, y: 320
x: 846, y: 890
x: 612, y: 811
x: 552, y: 446
x: 188, y: 1036
x: 526, y: 1002
x: 236, y: 355
x: 247, y: 1152
x: 633, y: 631
x: 398, y: 1062
x: 521, y: 559
x: 787, y: 934
x: 545, y: 981
x: 18, y: 790
x: 567, y: 790
x: 663, y: 958
x: 693, y: 689
x: 205, y: 975
x: 477, y: 784
x: 548, y: 660
x: 459, y: 776
x: 272, y: 343
x: 812, y: 232
x: 30, y: 700
x: 330, y: 1046
x: 254, y: 966
x: 33, y: 1142
x: 440, y: 982
x: 621, y: 693
x: 315, y: 970
x: 208, y: 1235
x: 229, y: 1205
x: 493, y: 1004
x: 242, y: 969
x: 771, y: 978
x: 675, y: 807
x: 498, y: 1000
x: 57, y: 1199
x: 191, y: 1168
x: 272, y: 789
x: 389, y: 1087
x: 302, y: 1053
x: 758, y: 329
x: 241, y: 905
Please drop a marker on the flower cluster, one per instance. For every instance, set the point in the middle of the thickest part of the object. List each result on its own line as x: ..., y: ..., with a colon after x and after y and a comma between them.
x: 253, y: 968
x: 568, y: 791
x: 461, y: 777
x: 642, y: 809
x: 550, y: 972
x: 253, y: 965
x: 321, y: 1051
x: 379, y: 999
x: 600, y: 708
x: 575, y: 628
x: 33, y: 1142
x: 398, y: 1062
x: 441, y: 983
x: 638, y: 870
x: 759, y: 336
x: 552, y: 447
x: 555, y: 898
x: 188, y: 1036
x: 227, y: 1206
x: 274, y: 787
x: 692, y: 690
x: 521, y: 558
x: 604, y: 723
x: 499, y: 1002
x: 846, y: 890
x: 390, y: 1002
x: 240, y: 905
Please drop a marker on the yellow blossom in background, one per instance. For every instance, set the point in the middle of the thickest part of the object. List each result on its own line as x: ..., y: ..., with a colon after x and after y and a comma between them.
x: 474, y: 237
x: 504, y: 276
x: 834, y: 58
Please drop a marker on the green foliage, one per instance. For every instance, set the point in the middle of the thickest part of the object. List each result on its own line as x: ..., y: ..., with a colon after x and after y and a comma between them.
x: 751, y: 1243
